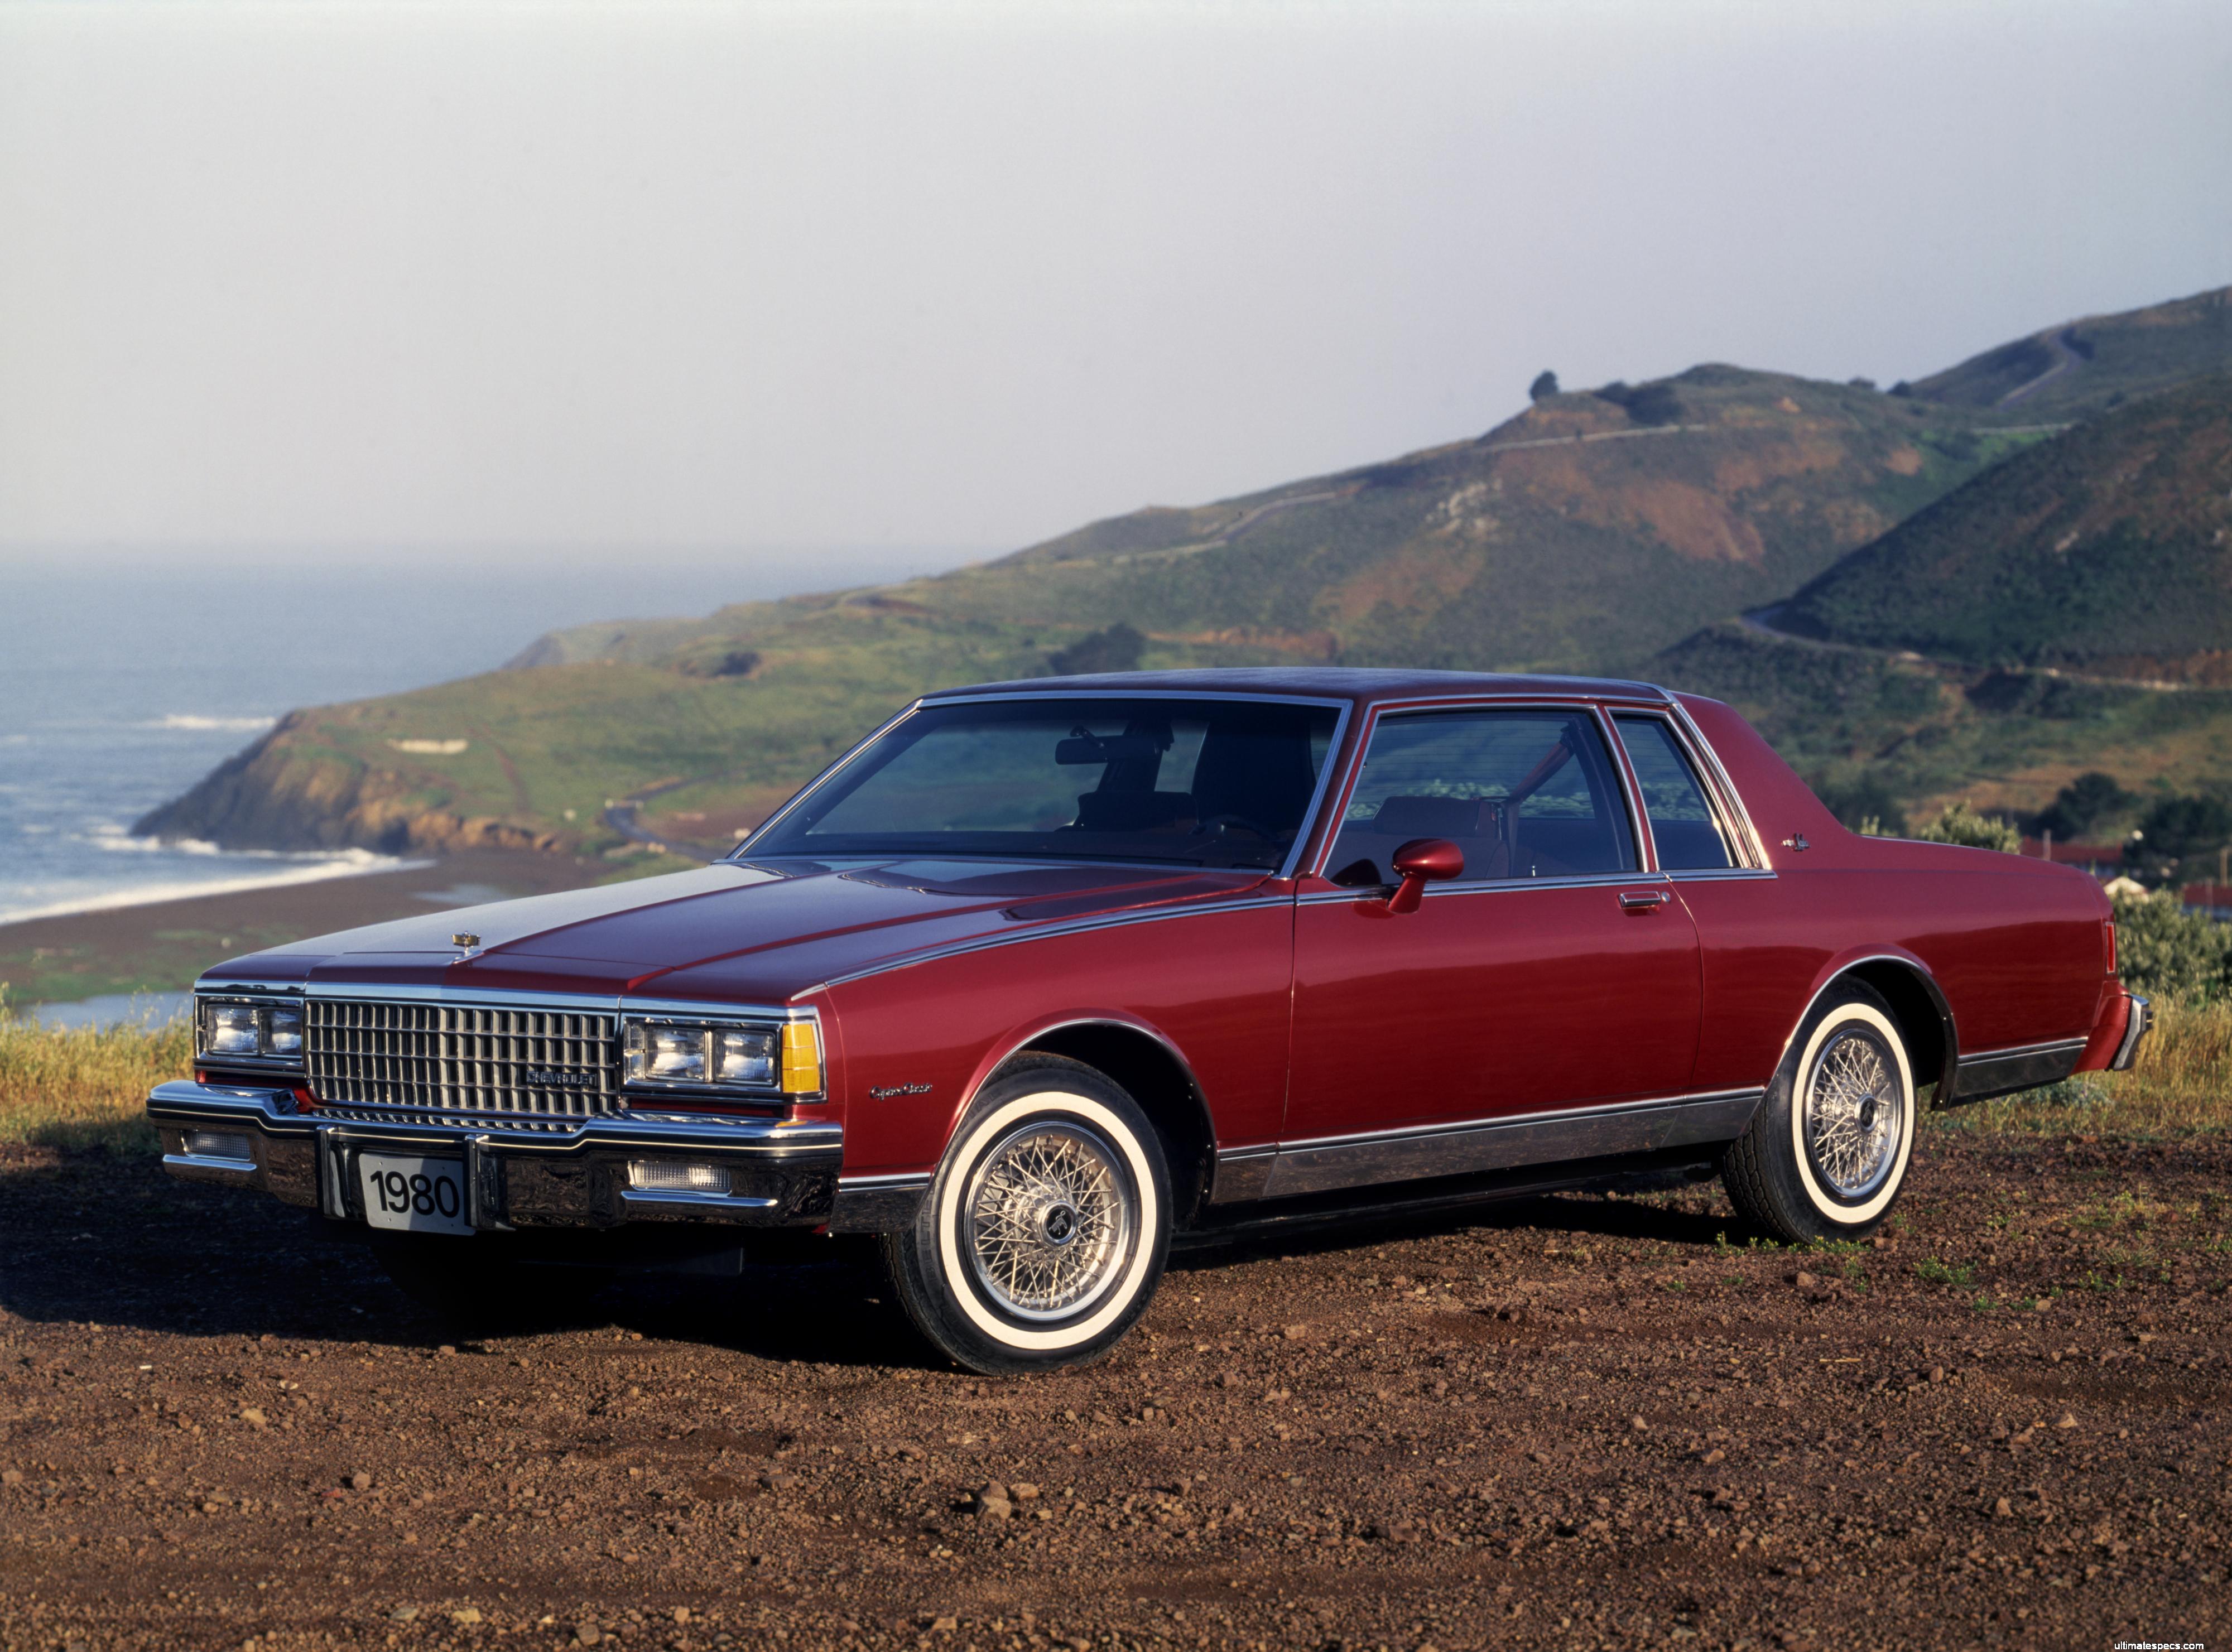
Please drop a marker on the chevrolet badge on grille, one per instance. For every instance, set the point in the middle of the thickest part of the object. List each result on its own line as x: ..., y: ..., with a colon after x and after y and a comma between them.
x: 559, y: 1078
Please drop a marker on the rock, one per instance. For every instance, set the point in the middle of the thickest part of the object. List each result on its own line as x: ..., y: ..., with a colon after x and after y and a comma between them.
x: 1638, y: 1425
x: 2002, y: 1510
x: 1937, y: 1373
x: 466, y: 1614
x: 588, y: 1635
x: 1804, y: 1281
x: 404, y: 1615
x: 1714, y: 1456
x: 2068, y: 1419
x: 254, y: 1418
x: 1023, y: 1492
x: 359, y: 1481
x: 12, y: 1476
x: 1295, y: 1333
x: 682, y: 1614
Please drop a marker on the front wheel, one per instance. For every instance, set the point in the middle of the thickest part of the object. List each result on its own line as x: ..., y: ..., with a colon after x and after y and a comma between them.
x: 1046, y: 1227
x: 1826, y: 1153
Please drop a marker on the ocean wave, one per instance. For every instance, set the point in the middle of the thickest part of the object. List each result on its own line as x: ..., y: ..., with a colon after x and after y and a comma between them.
x: 286, y: 870
x: 193, y: 725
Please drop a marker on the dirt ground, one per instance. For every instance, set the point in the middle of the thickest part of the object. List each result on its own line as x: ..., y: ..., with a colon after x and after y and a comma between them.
x: 1578, y: 1420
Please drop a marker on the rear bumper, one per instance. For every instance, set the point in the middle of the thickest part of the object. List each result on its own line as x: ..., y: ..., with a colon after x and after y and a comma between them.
x: 2138, y: 1021
x: 782, y: 1174
x: 2122, y: 1026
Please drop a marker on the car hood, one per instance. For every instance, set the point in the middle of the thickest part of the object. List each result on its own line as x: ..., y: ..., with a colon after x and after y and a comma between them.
x: 733, y: 931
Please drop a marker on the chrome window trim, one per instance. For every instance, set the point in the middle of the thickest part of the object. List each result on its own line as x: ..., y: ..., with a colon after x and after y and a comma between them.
x: 1731, y: 799
x: 1736, y: 845
x: 1341, y: 708
x: 1486, y: 886
x: 1511, y: 702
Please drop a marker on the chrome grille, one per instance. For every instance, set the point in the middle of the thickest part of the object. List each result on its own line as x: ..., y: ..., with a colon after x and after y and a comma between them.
x: 484, y: 1059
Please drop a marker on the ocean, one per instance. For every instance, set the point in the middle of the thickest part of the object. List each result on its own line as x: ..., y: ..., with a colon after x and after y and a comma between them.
x: 124, y: 680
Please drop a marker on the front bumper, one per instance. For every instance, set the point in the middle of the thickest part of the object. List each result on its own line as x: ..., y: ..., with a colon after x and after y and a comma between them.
x: 781, y: 1173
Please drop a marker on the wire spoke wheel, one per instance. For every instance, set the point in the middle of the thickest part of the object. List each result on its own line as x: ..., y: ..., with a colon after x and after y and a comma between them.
x: 1049, y: 1219
x: 1855, y: 1111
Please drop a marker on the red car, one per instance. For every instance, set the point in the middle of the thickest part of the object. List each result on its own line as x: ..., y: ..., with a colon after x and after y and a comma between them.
x: 1042, y: 972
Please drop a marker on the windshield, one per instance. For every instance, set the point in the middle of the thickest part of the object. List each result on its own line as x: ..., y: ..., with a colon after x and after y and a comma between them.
x: 1199, y: 782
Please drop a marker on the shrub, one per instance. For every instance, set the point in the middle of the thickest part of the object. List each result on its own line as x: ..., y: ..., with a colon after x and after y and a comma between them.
x: 2166, y: 951
x: 1546, y: 383
x: 1116, y: 648
x: 1958, y: 823
x: 85, y: 1087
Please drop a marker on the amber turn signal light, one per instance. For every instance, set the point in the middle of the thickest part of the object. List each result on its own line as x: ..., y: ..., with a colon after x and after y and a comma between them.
x: 801, y: 1059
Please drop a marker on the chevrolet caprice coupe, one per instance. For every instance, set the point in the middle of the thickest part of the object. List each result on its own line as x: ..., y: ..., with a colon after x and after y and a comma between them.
x: 1043, y: 973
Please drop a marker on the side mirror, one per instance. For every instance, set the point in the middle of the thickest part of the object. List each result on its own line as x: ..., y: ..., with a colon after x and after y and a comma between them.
x: 1420, y: 862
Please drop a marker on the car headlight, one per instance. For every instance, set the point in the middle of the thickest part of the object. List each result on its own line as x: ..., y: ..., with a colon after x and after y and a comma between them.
x: 251, y: 1029
x: 662, y: 1052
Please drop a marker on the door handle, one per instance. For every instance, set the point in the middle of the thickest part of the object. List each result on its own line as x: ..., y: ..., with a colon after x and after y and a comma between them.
x: 1642, y: 900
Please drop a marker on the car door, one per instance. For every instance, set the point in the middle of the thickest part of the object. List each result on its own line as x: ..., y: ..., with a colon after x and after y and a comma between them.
x: 1555, y: 972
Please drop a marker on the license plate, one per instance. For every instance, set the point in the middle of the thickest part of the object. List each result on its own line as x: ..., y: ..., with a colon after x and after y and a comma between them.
x: 424, y: 1195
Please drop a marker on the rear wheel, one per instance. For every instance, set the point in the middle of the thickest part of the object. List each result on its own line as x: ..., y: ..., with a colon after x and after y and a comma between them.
x: 1827, y: 1152
x: 1046, y: 1227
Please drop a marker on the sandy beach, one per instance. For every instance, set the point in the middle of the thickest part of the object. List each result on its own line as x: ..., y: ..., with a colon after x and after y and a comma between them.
x: 161, y: 946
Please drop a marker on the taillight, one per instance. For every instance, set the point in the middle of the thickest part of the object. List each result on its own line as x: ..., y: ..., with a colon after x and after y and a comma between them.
x: 2108, y: 927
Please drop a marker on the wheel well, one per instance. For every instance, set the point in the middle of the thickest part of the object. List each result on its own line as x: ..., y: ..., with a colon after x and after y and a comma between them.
x: 1925, y: 1021
x: 1166, y: 1093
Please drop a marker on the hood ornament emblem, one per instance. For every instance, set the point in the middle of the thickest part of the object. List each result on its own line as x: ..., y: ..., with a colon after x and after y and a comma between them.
x: 468, y: 945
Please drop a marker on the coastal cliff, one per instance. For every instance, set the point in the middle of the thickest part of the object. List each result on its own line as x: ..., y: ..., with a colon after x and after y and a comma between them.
x: 290, y: 791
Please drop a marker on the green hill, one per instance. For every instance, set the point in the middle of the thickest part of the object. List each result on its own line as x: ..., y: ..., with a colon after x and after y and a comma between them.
x: 1593, y: 528
x: 2107, y: 549
x: 2075, y: 369
x: 1592, y: 531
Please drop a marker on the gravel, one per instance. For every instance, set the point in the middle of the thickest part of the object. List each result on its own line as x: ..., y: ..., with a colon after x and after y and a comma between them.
x: 1578, y: 1420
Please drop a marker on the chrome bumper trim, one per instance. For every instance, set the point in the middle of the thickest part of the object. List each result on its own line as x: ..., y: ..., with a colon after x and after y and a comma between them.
x: 209, y: 1161
x: 2139, y: 1022
x: 783, y: 1173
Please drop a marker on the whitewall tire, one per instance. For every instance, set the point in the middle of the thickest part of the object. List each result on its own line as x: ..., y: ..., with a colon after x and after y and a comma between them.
x: 1826, y: 1154
x: 1045, y: 1229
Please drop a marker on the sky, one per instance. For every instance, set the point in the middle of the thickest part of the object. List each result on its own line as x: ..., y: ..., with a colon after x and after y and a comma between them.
x: 765, y: 282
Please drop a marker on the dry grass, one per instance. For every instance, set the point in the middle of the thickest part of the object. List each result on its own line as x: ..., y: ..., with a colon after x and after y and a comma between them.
x: 85, y: 1088
x: 88, y: 1088
x: 2182, y: 1085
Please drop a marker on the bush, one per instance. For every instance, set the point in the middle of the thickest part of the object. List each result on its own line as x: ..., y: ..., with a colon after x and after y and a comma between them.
x: 1117, y: 648
x: 2082, y: 805
x: 2166, y: 951
x: 85, y: 1087
x: 1958, y: 823
x: 1546, y: 383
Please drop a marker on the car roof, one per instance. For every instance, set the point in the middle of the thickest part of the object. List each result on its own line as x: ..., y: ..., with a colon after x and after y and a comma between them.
x: 1362, y: 684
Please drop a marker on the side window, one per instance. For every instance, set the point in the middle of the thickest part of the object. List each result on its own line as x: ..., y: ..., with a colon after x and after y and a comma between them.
x: 1524, y: 794
x: 1682, y: 823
